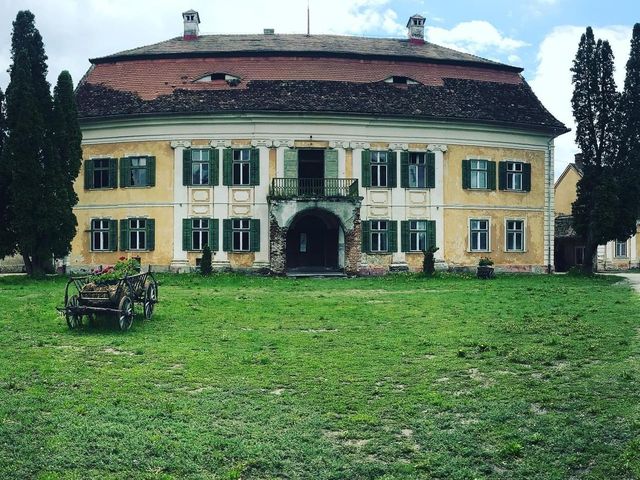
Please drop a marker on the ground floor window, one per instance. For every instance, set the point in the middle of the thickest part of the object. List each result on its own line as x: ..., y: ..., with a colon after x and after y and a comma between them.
x: 621, y: 249
x: 379, y: 236
x: 417, y: 235
x: 102, y: 235
x: 515, y: 235
x: 137, y: 234
x: 479, y: 235
x: 199, y: 233
x: 241, y: 235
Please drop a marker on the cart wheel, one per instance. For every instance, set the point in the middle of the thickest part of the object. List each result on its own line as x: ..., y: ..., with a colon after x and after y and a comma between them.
x: 150, y: 299
x: 74, y: 319
x: 125, y: 316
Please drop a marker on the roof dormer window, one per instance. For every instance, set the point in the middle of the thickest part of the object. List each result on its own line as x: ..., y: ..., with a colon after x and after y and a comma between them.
x: 400, y: 80
x: 219, y: 77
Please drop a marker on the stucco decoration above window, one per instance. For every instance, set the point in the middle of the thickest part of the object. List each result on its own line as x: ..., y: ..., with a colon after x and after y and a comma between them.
x: 219, y: 77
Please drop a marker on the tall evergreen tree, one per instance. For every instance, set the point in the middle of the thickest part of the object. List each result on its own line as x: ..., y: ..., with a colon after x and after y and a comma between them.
x: 6, y: 243
x: 42, y: 154
x: 595, y: 108
x: 66, y: 165
x: 628, y: 164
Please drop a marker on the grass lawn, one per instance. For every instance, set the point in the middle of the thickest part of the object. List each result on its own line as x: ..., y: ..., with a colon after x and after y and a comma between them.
x: 523, y: 377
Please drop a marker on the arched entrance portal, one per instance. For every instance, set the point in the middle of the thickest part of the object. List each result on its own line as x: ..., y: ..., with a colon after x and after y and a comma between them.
x: 315, y: 242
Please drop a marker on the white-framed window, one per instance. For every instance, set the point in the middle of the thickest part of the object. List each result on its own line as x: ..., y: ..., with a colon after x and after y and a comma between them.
x: 379, y: 166
x: 621, y: 249
x: 138, y: 174
x: 379, y: 236
x: 242, y: 166
x: 241, y: 235
x: 417, y: 235
x: 200, y: 166
x: 199, y: 233
x: 514, y: 175
x: 137, y: 234
x: 479, y: 235
x: 479, y: 173
x: 417, y: 170
x: 100, y: 240
x: 515, y: 235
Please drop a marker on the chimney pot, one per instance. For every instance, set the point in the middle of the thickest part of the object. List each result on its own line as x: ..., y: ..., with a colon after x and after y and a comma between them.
x: 415, y: 29
x: 191, y: 21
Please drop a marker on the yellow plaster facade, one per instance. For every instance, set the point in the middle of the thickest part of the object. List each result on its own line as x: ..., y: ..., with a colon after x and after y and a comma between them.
x: 566, y: 190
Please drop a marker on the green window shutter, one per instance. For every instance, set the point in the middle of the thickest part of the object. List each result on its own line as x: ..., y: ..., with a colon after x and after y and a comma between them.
x: 392, y: 169
x: 88, y: 174
x: 227, y: 166
x: 113, y: 172
x: 113, y: 235
x: 125, y: 172
x: 404, y: 169
x: 227, y: 233
x: 255, y: 235
x: 491, y: 175
x: 431, y: 234
x: 187, y: 234
x: 366, y: 168
x: 466, y: 173
x: 392, y: 236
x: 431, y: 170
x: 254, y: 159
x: 502, y: 175
x: 213, y: 235
x: 124, y: 234
x: 151, y: 234
x: 366, y: 237
x: 186, y: 167
x: 151, y: 171
x: 214, y: 167
x: 404, y: 236
x: 526, y: 177
x: 331, y: 163
x: 291, y: 163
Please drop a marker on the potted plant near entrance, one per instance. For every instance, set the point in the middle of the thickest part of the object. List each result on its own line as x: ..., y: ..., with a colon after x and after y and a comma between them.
x: 485, y: 268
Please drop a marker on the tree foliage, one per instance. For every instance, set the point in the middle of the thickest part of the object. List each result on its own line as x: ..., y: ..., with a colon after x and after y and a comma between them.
x: 205, y: 262
x: 40, y: 157
x: 605, y: 208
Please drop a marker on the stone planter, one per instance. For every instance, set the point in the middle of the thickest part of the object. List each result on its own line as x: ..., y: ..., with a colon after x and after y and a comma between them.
x: 485, y: 272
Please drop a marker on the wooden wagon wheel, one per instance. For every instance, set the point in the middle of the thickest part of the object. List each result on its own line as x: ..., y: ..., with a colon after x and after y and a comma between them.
x: 74, y: 319
x: 125, y: 315
x: 150, y: 299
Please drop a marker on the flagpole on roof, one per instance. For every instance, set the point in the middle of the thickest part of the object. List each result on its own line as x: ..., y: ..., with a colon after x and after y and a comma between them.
x: 308, y: 19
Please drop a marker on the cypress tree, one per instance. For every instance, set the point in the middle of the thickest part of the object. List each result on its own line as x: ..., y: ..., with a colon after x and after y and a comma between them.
x: 595, y: 108
x: 205, y: 262
x: 7, y: 245
x: 66, y: 165
x: 628, y: 164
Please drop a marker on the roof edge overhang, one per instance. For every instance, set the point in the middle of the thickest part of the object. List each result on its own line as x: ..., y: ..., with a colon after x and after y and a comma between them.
x: 280, y: 53
x: 554, y: 132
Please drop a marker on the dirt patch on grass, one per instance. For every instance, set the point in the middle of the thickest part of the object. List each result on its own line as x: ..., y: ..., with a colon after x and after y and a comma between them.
x: 115, y: 351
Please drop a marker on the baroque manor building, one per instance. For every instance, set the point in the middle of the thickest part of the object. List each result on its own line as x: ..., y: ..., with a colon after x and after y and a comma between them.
x: 298, y: 153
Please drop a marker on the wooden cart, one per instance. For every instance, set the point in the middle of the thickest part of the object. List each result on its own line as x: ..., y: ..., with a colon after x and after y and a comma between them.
x: 117, y: 298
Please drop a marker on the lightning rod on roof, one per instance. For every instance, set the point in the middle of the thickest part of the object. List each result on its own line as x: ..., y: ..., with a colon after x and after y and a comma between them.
x: 308, y: 19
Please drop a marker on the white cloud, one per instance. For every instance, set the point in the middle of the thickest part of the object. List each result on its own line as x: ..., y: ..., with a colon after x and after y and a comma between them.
x: 477, y: 37
x: 552, y: 78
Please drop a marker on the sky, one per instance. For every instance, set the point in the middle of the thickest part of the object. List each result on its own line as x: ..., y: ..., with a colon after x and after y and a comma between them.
x: 539, y: 35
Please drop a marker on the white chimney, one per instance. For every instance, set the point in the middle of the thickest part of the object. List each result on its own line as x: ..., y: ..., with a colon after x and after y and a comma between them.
x: 191, y: 21
x: 415, y: 29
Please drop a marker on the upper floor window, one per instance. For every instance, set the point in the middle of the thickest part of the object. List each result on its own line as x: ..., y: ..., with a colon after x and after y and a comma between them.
x: 241, y: 166
x: 515, y: 235
x: 100, y: 173
x: 515, y: 176
x: 200, y: 166
x: 418, y: 169
x: 379, y: 169
x: 478, y: 174
x: 138, y: 171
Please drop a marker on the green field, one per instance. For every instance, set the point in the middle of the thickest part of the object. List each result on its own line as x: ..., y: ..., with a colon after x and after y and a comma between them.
x: 523, y: 377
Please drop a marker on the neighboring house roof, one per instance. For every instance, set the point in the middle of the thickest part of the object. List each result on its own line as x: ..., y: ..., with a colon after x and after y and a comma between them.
x: 571, y: 166
x: 461, y: 100
x: 301, y: 45
x: 564, y: 227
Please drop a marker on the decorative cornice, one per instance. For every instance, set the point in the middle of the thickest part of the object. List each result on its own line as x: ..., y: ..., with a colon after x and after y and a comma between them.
x: 437, y: 148
x: 362, y: 145
x: 283, y: 143
x: 398, y: 146
x: 180, y: 143
x: 339, y: 144
x: 220, y: 143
